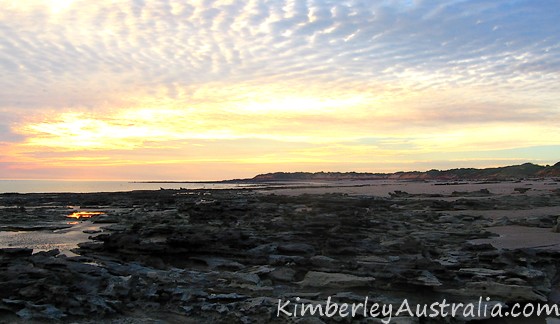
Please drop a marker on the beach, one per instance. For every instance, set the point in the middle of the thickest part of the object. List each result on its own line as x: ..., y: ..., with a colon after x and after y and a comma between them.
x: 238, y: 255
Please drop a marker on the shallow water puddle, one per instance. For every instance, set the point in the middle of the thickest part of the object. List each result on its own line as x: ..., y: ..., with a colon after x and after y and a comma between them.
x: 62, y: 239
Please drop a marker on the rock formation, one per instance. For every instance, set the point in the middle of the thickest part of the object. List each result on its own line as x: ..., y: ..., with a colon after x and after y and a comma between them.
x: 230, y: 255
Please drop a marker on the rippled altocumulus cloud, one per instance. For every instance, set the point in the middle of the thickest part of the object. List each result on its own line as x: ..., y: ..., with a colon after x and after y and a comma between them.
x: 84, y: 50
x: 419, y: 70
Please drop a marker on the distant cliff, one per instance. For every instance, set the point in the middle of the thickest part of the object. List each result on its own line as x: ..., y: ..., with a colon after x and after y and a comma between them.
x: 527, y: 170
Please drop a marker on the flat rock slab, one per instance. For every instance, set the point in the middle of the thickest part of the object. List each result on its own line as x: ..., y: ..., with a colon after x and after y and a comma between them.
x: 521, y: 237
x: 335, y: 280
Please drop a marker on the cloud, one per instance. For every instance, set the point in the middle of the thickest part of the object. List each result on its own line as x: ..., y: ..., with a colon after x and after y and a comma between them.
x: 166, y: 43
x: 7, y: 135
x: 78, y: 75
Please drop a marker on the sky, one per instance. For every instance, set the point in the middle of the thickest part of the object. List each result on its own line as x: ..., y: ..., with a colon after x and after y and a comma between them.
x: 209, y: 90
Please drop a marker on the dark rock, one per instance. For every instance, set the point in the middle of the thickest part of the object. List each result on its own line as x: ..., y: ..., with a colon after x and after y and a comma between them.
x: 335, y: 280
x: 16, y: 252
x: 296, y: 249
x: 283, y: 274
x: 50, y: 253
x: 276, y: 260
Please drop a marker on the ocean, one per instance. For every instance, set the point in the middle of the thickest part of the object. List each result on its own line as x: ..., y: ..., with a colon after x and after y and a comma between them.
x: 54, y: 186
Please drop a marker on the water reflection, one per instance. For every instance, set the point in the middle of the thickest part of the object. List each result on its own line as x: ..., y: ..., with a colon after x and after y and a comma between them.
x: 64, y: 239
x: 84, y: 214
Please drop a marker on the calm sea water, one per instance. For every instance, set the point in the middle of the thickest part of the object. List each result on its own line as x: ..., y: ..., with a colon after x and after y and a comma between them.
x: 44, y: 186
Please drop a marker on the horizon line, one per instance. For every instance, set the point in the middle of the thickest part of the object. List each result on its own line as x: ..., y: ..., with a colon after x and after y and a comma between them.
x: 222, y: 180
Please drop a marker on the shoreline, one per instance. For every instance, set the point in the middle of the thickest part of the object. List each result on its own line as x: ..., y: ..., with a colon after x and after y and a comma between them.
x: 271, y: 185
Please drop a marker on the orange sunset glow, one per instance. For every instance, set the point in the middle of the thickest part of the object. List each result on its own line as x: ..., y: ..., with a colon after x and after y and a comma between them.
x: 210, y: 90
x: 83, y: 214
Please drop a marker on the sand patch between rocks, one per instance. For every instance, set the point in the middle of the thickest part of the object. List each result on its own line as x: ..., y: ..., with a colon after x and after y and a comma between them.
x: 520, y: 237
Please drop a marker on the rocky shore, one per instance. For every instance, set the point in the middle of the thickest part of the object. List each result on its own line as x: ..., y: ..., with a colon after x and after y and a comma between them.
x: 193, y: 256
